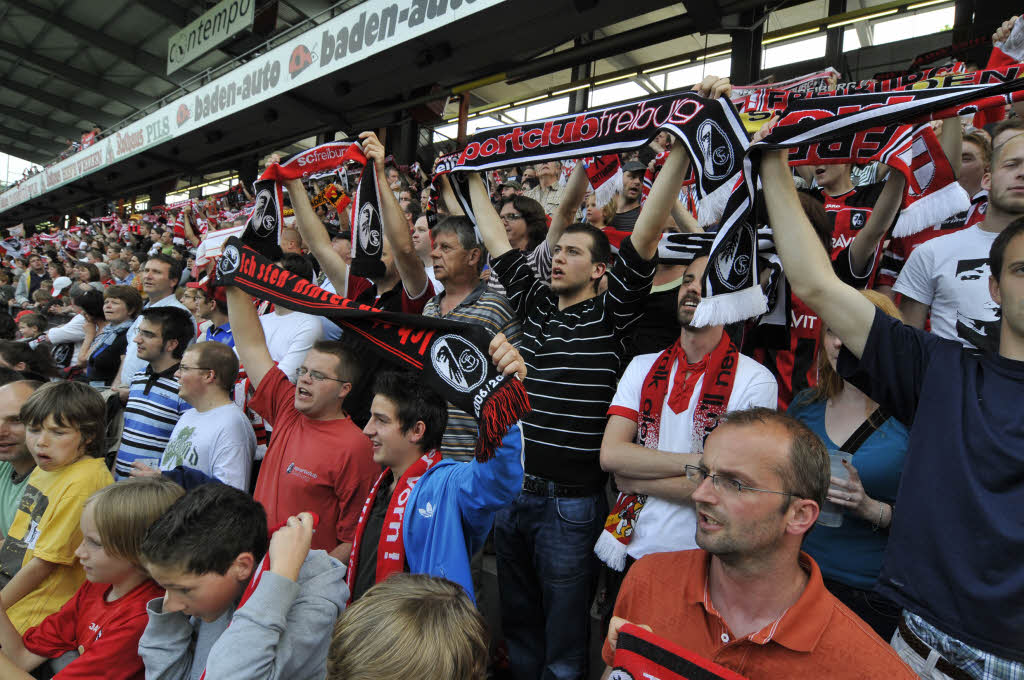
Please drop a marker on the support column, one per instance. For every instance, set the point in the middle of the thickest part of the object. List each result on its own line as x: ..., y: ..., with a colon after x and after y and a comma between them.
x: 579, y: 99
x: 834, y: 36
x: 746, y: 48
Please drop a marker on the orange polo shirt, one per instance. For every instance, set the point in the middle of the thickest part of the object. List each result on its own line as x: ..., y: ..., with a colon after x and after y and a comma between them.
x: 818, y: 637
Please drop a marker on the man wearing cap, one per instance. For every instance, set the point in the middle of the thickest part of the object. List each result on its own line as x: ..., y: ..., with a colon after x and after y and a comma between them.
x: 510, y: 188
x: 61, y: 284
x: 213, y: 307
x: 629, y: 199
x: 549, y: 193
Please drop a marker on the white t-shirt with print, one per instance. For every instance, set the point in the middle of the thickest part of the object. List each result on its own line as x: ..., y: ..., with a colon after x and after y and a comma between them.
x: 219, y: 443
x: 950, y: 274
x: 665, y: 525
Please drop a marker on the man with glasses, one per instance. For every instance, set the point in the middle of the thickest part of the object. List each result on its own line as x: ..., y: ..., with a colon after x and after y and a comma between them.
x: 749, y: 599
x: 214, y: 436
x: 318, y: 460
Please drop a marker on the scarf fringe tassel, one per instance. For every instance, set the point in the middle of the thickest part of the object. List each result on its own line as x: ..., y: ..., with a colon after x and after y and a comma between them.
x: 724, y: 308
x: 610, y: 551
x: 500, y: 412
x: 604, y: 193
x: 931, y: 209
x: 710, y: 208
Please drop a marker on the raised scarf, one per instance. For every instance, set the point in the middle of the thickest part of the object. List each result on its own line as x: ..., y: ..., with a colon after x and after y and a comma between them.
x: 391, y: 546
x: 451, y: 357
x: 257, y: 574
x: 641, y: 654
x: 719, y: 370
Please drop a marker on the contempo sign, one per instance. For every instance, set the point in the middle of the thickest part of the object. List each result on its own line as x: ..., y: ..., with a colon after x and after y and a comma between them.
x: 361, y: 32
x: 223, y: 21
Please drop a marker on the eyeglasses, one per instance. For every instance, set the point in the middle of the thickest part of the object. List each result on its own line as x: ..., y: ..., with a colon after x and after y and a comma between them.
x: 508, y: 217
x: 183, y: 367
x: 317, y: 375
x: 728, y: 484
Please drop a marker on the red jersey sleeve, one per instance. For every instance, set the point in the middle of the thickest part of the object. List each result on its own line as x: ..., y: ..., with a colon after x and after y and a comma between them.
x: 57, y: 634
x: 274, y: 394
x: 416, y: 305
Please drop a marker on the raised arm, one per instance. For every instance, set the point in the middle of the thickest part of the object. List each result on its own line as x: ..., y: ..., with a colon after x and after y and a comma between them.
x: 250, y: 342
x: 664, y: 195
x: 951, y: 137
x: 314, y: 235
x: 865, y: 244
x: 807, y: 265
x: 575, y: 190
x: 396, y: 229
x: 487, y: 221
x: 186, y: 220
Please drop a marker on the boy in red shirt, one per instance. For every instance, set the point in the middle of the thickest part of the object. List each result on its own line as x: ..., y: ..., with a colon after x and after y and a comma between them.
x: 104, y: 620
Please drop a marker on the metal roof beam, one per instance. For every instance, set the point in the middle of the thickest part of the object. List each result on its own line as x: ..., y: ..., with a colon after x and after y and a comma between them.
x: 79, y: 77
x: 40, y: 122
x: 42, y: 143
x: 168, y: 10
x: 30, y: 156
x: 118, y: 48
x: 88, y: 113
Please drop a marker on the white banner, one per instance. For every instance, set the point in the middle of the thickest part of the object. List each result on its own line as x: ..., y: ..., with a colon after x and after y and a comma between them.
x: 227, y: 18
x: 359, y: 33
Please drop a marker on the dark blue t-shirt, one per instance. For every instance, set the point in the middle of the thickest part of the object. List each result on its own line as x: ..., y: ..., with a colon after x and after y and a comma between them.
x: 955, y: 547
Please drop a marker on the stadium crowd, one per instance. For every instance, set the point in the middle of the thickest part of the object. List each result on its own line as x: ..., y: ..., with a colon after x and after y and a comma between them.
x: 197, y: 483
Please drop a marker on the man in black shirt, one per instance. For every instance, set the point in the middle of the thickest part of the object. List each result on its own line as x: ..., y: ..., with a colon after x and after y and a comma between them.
x: 629, y: 201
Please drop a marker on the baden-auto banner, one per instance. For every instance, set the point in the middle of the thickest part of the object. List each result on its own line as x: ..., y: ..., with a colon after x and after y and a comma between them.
x: 359, y: 33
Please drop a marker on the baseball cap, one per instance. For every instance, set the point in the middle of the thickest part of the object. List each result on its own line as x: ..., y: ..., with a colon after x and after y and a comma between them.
x: 60, y: 284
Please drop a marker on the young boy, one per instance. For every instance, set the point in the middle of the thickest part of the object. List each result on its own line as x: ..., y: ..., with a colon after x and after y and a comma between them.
x: 30, y: 327
x: 98, y: 630
x: 64, y: 430
x: 227, y: 609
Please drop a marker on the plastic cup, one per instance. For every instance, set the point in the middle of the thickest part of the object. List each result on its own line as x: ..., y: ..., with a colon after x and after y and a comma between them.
x: 831, y: 515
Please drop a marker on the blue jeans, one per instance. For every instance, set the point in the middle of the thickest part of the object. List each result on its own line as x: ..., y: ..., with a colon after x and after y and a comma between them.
x: 546, y: 577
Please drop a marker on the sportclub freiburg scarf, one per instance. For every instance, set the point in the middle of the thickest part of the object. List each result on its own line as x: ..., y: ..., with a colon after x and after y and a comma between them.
x: 713, y: 134
x: 257, y: 574
x: 719, y: 371
x: 452, y: 357
x: 263, y: 230
x: 641, y: 654
x: 391, y: 546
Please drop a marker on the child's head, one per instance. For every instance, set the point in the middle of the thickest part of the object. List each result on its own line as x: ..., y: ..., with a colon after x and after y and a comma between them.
x: 204, y: 549
x: 31, y: 326
x: 114, y: 522
x: 63, y: 422
x: 40, y: 297
x: 410, y: 626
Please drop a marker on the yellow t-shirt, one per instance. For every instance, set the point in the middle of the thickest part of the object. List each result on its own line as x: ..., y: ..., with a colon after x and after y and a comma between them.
x: 46, y: 525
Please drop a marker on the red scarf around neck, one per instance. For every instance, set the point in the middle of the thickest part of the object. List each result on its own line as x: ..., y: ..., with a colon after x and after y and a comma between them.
x: 391, y: 546
x: 719, y: 371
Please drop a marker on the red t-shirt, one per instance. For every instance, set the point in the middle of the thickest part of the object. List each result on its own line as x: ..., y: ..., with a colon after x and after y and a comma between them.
x: 106, y: 634
x: 795, y: 368
x: 849, y: 213
x: 323, y: 466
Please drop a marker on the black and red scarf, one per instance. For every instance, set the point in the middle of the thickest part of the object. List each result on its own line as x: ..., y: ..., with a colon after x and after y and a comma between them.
x: 719, y: 369
x: 451, y: 357
x: 642, y: 654
x: 263, y: 230
x: 391, y: 546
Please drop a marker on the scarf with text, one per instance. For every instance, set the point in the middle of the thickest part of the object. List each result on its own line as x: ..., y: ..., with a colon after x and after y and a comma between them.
x: 391, y: 545
x: 257, y: 574
x: 263, y: 230
x: 719, y: 370
x: 711, y: 132
x: 674, y: 248
x: 642, y: 654
x: 451, y: 357
x: 605, y: 176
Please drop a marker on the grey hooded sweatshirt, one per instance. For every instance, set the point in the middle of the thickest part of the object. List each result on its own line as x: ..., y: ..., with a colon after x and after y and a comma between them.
x: 282, y: 632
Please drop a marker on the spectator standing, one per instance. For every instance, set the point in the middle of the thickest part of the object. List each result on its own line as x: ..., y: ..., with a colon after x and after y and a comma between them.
x: 573, y: 345
x: 318, y: 460
x: 154, y: 405
x: 16, y: 462
x: 159, y: 278
x: 121, y: 304
x: 701, y: 376
x: 29, y: 281
x: 458, y: 261
x: 548, y: 192
x: 847, y: 420
x: 629, y: 200
x: 749, y: 599
x: 965, y: 445
x: 214, y: 436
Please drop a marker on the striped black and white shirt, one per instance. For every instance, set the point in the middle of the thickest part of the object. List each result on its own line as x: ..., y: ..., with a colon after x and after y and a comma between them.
x: 150, y: 415
x: 574, y: 357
